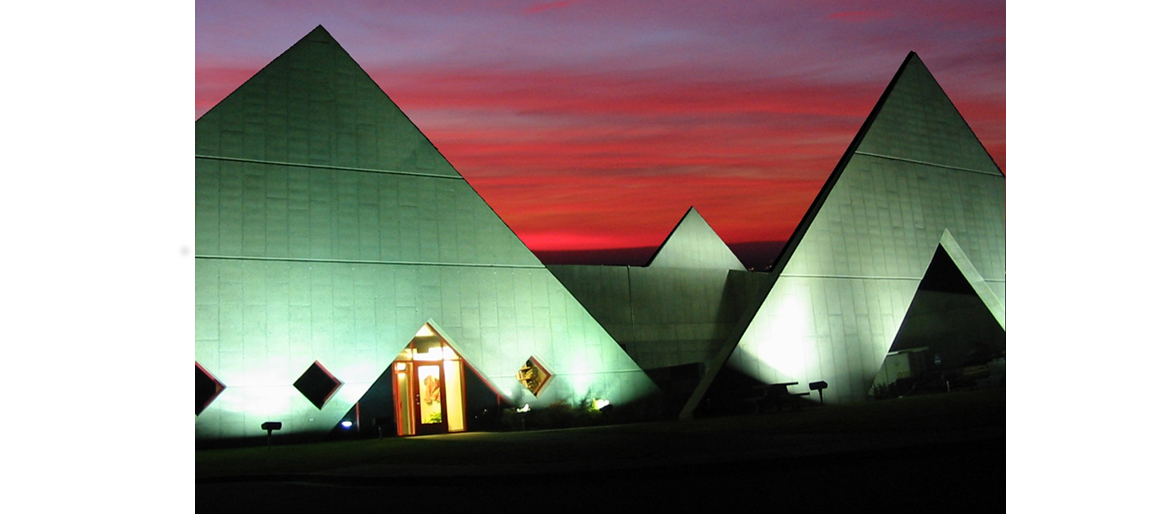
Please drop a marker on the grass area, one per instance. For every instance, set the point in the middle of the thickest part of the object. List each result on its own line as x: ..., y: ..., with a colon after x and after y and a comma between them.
x: 928, y: 415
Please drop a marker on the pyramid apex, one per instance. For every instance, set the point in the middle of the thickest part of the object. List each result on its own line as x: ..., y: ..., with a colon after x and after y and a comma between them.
x: 319, y: 69
x: 915, y: 119
x: 319, y: 34
x: 911, y: 57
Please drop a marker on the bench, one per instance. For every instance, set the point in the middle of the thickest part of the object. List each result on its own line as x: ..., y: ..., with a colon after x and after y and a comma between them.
x: 775, y: 396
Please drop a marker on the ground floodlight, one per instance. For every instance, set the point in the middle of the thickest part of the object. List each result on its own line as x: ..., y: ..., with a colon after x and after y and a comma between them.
x: 819, y: 387
x: 270, y: 426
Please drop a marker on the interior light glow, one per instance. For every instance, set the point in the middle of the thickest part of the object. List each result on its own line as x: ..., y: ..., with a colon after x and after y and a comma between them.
x: 346, y: 424
x: 600, y: 403
x: 526, y: 408
x: 433, y: 353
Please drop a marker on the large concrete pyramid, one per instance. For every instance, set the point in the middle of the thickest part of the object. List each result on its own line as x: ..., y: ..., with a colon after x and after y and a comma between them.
x: 915, y: 178
x: 693, y: 244
x: 329, y: 230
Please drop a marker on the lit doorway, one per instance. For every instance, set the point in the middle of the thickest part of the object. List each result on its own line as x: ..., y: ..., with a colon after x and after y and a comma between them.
x: 428, y: 386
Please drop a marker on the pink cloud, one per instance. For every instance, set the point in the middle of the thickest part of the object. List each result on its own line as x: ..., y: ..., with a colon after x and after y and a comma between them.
x: 552, y: 5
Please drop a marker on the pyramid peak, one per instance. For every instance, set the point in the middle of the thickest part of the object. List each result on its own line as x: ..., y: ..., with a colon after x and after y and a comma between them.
x: 321, y: 70
x: 319, y: 34
x: 692, y: 243
x: 916, y: 108
x: 309, y: 98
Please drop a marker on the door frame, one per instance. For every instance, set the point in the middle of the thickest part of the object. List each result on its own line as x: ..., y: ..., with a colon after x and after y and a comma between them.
x: 449, y: 362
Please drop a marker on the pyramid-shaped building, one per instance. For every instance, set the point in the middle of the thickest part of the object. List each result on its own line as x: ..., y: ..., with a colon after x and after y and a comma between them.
x: 677, y: 309
x: 346, y: 272
x: 675, y: 313
x: 338, y: 250
x: 916, y: 193
x: 694, y: 244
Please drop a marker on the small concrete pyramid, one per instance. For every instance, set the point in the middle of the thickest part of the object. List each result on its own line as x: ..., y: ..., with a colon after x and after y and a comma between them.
x: 694, y: 244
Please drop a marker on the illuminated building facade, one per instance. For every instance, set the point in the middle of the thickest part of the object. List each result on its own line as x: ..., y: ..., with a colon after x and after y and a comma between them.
x: 673, y: 314
x: 339, y: 254
x: 895, y: 275
x: 903, y: 251
x: 345, y: 271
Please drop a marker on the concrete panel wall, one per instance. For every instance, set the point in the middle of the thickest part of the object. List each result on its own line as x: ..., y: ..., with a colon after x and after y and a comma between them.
x: 682, y: 316
x: 677, y: 310
x: 269, y: 210
x: 329, y: 230
x: 260, y: 324
x: 663, y: 316
x: 839, y: 299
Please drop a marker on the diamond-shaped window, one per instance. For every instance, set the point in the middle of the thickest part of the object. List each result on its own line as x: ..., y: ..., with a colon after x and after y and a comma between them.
x: 533, y: 375
x: 317, y: 384
x: 206, y: 388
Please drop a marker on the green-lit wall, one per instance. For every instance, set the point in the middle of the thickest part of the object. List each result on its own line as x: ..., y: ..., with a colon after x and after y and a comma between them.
x: 328, y: 229
x: 917, y: 179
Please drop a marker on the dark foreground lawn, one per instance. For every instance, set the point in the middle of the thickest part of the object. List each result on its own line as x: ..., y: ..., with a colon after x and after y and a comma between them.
x: 945, y: 452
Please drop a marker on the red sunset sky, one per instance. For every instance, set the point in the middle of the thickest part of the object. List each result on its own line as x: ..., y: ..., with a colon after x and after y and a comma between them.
x: 596, y: 124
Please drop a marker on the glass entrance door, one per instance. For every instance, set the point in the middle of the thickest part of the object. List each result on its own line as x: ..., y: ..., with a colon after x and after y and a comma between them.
x: 428, y: 386
x: 429, y: 402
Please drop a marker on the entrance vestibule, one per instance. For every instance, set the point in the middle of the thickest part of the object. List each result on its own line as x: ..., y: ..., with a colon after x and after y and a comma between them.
x: 428, y: 386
